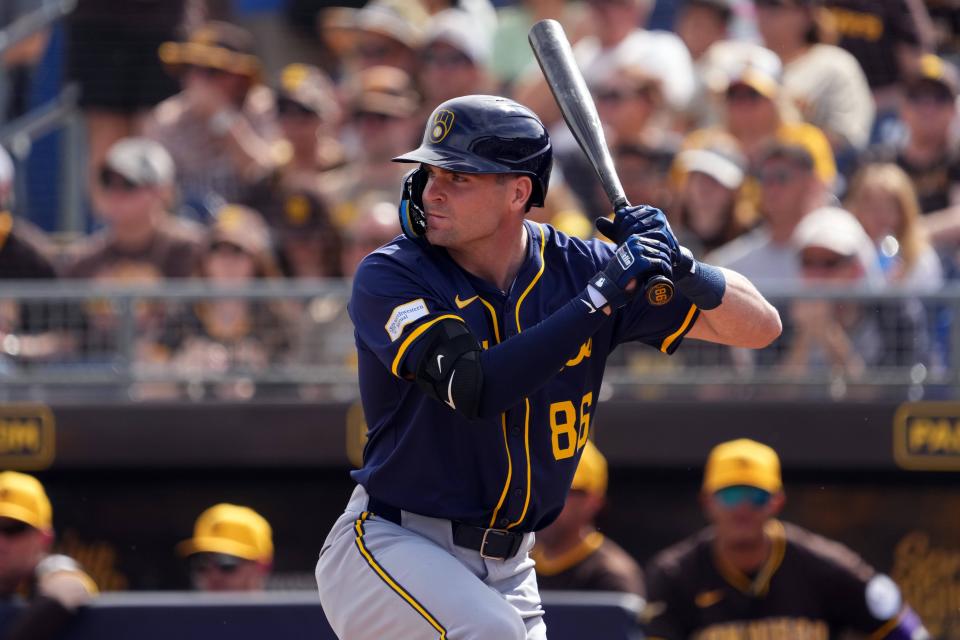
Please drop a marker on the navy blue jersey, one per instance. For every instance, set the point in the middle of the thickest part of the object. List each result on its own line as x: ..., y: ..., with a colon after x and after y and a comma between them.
x: 512, y: 471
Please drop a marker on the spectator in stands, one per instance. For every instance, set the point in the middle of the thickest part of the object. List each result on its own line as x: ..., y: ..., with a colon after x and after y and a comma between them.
x: 883, y: 36
x: 703, y: 24
x: 375, y: 225
x: 111, y: 53
x: 454, y: 58
x: 384, y: 32
x: 709, y: 212
x: 883, y: 199
x: 235, y: 338
x: 308, y: 243
x: 55, y: 586
x: 790, y: 188
x: 571, y: 553
x: 25, y: 254
x: 848, y: 337
x: 756, y: 109
x: 616, y: 38
x: 231, y: 550
x: 221, y: 128
x: 383, y: 123
x: 140, y: 240
x: 749, y: 575
x: 308, y: 114
x: 825, y: 81
x: 929, y: 155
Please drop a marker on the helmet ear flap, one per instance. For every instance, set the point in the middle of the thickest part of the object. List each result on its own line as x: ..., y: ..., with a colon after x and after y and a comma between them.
x: 413, y: 219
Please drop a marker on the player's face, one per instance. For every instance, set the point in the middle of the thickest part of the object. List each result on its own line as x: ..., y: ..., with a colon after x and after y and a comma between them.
x: 466, y: 208
x: 21, y: 548
x: 738, y: 514
x: 221, y: 572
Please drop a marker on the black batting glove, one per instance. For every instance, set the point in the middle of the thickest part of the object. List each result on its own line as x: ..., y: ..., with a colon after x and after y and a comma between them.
x: 638, y: 258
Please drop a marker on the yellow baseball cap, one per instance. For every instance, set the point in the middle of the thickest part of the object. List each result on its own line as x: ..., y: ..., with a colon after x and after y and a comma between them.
x: 591, y: 475
x: 233, y: 530
x: 742, y: 463
x: 22, y: 498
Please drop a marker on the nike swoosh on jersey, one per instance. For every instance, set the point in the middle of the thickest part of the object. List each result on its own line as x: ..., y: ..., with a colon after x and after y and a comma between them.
x: 463, y: 303
x: 439, y: 358
x: 450, y: 391
x: 592, y: 308
x: 706, y: 599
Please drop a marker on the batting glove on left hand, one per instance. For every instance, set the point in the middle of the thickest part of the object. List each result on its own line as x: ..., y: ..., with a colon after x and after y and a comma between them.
x: 637, y: 259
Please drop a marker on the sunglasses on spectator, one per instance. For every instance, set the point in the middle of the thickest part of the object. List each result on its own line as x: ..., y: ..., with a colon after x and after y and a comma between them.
x: 294, y: 109
x: 824, y: 262
x: 446, y: 58
x: 112, y: 181
x: 209, y: 72
x: 743, y: 93
x: 938, y: 98
x: 733, y: 497
x: 622, y: 95
x: 227, y: 247
x: 13, y: 528
x: 776, y: 176
x: 206, y: 562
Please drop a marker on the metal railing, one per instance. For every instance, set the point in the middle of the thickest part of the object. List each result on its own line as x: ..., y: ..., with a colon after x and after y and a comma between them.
x: 288, y: 339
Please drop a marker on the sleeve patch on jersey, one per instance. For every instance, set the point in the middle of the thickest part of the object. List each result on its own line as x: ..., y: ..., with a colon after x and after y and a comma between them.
x: 883, y: 597
x: 403, y: 315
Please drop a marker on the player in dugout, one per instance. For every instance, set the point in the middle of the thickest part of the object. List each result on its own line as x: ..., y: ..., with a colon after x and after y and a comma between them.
x: 53, y: 586
x: 749, y: 575
x: 571, y: 554
x: 482, y: 337
x: 231, y: 549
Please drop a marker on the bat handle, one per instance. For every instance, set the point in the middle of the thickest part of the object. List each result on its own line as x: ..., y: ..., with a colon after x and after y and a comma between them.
x: 658, y: 291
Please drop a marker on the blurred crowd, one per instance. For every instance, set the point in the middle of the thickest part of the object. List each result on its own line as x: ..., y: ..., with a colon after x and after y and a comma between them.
x: 800, y: 142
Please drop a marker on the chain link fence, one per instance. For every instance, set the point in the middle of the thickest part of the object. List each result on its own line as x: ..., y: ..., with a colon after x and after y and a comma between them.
x: 288, y: 340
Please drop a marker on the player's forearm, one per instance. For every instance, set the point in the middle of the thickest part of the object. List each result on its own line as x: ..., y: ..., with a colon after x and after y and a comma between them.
x: 525, y: 362
x: 744, y: 318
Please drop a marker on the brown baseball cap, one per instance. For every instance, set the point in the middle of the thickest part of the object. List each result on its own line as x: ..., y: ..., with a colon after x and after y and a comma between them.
x: 214, y: 45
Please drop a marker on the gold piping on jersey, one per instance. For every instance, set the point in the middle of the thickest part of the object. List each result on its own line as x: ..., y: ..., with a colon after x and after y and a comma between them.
x: 684, y: 327
x: 394, y: 368
x: 759, y: 586
x: 572, y: 557
x: 388, y: 579
x: 526, y: 450
x: 506, y: 485
x: 493, y: 317
x: 526, y: 420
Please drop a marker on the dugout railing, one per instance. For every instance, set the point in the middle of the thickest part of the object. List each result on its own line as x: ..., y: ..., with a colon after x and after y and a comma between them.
x: 68, y: 340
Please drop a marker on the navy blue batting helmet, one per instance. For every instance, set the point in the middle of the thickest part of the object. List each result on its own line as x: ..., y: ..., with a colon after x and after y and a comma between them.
x: 478, y: 134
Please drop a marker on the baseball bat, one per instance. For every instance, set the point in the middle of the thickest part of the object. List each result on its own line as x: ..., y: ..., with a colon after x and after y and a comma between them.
x: 553, y: 53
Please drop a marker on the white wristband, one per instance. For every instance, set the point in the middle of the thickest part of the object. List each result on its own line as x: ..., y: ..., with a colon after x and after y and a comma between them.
x: 596, y: 297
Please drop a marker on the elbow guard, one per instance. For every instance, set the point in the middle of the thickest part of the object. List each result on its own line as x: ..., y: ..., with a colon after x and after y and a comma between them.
x: 449, y: 369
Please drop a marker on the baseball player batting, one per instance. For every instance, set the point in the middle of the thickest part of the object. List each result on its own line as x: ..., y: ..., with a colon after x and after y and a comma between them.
x: 482, y: 339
